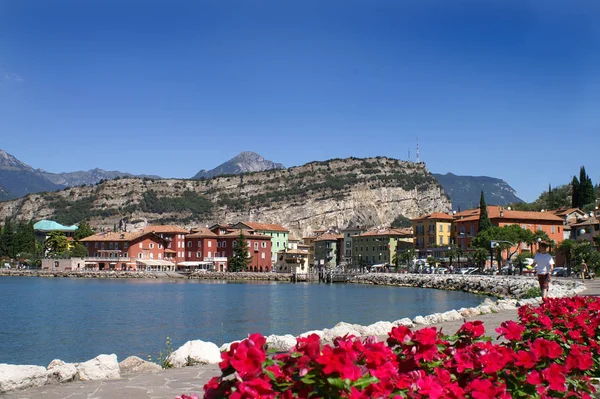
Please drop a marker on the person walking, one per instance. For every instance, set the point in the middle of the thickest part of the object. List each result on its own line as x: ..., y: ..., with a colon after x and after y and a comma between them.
x: 584, y: 270
x: 544, y: 265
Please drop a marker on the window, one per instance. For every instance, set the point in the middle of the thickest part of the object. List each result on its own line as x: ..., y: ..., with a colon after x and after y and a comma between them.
x: 159, y: 246
x: 199, y: 244
x: 151, y: 255
x: 110, y: 245
x: 140, y: 245
x: 441, y: 240
x: 140, y: 255
x: 159, y: 256
x: 125, y: 244
x: 256, y: 246
x: 151, y: 245
x: 95, y: 245
x: 189, y: 243
x: 125, y: 255
x: 263, y: 244
x: 101, y: 245
x: 441, y: 228
x: 210, y: 244
x: 224, y: 244
x: 189, y: 254
x: 209, y: 254
x: 262, y: 255
x: 553, y: 228
x: 472, y: 230
x: 198, y: 254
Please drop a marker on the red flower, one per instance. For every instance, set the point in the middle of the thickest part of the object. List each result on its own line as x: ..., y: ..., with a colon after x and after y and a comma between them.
x: 310, y: 346
x: 510, y: 330
x: 580, y: 358
x: 400, y: 335
x: 338, y: 360
x: 525, y: 359
x: 473, y: 328
x: 555, y: 375
x: 426, y: 336
x: 254, y: 389
x: 430, y: 387
x: 544, y: 348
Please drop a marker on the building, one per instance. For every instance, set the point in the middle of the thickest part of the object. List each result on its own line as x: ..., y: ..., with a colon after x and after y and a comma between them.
x: 142, y: 250
x: 175, y: 237
x: 279, y: 235
x: 44, y: 227
x: 293, y: 261
x: 377, y: 247
x: 432, y: 232
x: 349, y: 232
x: 259, y: 246
x: 201, y: 252
x: 328, y: 250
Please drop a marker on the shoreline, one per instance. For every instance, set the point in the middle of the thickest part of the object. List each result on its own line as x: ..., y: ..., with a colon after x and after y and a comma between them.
x: 197, y: 352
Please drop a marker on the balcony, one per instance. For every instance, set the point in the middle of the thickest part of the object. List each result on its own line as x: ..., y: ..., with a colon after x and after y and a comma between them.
x: 107, y: 259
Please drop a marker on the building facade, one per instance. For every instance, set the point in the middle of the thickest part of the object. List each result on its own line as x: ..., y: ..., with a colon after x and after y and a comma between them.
x: 279, y: 235
x: 175, y: 237
x: 377, y: 247
x: 328, y: 250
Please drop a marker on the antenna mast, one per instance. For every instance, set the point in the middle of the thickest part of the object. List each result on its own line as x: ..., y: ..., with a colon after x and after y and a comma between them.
x: 418, y: 158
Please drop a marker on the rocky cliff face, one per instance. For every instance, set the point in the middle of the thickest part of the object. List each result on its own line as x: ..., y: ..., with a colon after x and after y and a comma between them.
x: 367, y: 192
x: 242, y: 163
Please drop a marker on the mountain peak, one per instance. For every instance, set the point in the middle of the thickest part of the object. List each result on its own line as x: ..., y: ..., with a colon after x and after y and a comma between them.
x: 9, y: 162
x: 246, y: 161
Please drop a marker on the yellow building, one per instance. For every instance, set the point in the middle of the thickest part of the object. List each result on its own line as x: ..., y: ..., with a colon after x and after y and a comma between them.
x: 433, y: 230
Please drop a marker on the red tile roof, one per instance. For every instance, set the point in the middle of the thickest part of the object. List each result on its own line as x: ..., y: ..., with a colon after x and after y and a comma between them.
x: 496, y: 212
x: 122, y: 237
x: 265, y: 226
x: 248, y: 235
x: 201, y: 232
x: 329, y: 237
x: 166, y: 229
x: 435, y: 216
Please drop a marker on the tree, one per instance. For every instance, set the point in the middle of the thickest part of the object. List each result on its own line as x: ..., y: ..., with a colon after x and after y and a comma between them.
x: 7, y: 239
x: 484, y: 220
x: 586, y: 188
x: 520, y: 260
x: 566, y: 248
x: 56, y: 244
x: 480, y: 255
x: 79, y: 251
x: 240, y: 259
x: 406, y: 256
x: 84, y: 230
x: 575, y: 196
x: 401, y: 221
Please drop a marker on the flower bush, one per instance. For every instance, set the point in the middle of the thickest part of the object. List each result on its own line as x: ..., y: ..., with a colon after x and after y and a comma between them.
x: 552, y: 352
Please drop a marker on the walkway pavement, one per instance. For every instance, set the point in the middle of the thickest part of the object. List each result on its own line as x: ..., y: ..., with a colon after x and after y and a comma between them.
x: 170, y: 383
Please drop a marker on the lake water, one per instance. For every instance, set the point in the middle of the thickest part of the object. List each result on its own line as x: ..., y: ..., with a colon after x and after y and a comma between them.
x: 77, y: 319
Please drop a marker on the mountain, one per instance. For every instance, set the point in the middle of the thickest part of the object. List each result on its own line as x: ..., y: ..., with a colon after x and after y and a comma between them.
x: 92, y: 176
x: 366, y: 192
x: 247, y: 161
x: 20, y: 179
x: 465, y: 191
x: 5, y: 194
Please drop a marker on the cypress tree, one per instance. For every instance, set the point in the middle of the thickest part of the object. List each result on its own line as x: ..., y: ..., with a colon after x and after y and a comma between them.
x: 240, y: 260
x: 484, y: 220
x: 586, y: 188
x: 575, y: 195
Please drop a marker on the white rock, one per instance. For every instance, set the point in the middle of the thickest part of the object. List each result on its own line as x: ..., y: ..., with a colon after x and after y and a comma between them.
x: 380, y: 328
x: 340, y: 330
x: 135, y: 365
x: 281, y: 343
x: 469, y: 312
x: 20, y: 377
x: 433, y: 319
x: 451, y: 315
x: 406, y: 322
x: 59, y: 371
x: 195, y: 352
x: 484, y: 309
x: 419, y: 320
x: 102, y: 367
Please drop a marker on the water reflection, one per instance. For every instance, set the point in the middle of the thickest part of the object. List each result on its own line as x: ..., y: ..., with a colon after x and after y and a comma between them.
x: 75, y: 320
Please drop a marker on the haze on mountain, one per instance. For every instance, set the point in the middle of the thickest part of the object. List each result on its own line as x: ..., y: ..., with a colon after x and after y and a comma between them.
x: 465, y: 191
x: 18, y: 179
x: 244, y: 162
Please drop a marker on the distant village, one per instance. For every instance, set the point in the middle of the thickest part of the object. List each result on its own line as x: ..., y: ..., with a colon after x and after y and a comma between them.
x: 440, y: 238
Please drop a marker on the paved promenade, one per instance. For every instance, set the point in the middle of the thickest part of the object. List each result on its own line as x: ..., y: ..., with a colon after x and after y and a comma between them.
x: 170, y: 383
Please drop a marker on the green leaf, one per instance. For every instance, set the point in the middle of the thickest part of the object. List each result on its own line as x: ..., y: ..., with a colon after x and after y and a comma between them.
x: 365, y: 381
x: 270, y: 374
x: 336, y: 382
x: 307, y: 380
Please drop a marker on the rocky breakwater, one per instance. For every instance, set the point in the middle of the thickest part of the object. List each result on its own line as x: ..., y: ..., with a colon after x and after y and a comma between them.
x: 78, y: 274
x: 497, y: 286
x: 240, y: 276
x: 102, y: 367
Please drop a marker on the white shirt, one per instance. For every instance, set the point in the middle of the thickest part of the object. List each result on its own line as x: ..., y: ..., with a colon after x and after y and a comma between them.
x: 543, y: 263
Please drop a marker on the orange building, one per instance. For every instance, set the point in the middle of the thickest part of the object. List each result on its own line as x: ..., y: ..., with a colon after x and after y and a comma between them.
x: 466, y: 224
x: 175, y: 237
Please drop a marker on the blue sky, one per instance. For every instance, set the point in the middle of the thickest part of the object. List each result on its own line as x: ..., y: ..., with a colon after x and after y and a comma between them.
x: 508, y: 89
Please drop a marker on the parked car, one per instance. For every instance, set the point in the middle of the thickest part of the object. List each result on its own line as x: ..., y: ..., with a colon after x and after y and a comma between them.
x: 441, y: 270
x: 560, y: 272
